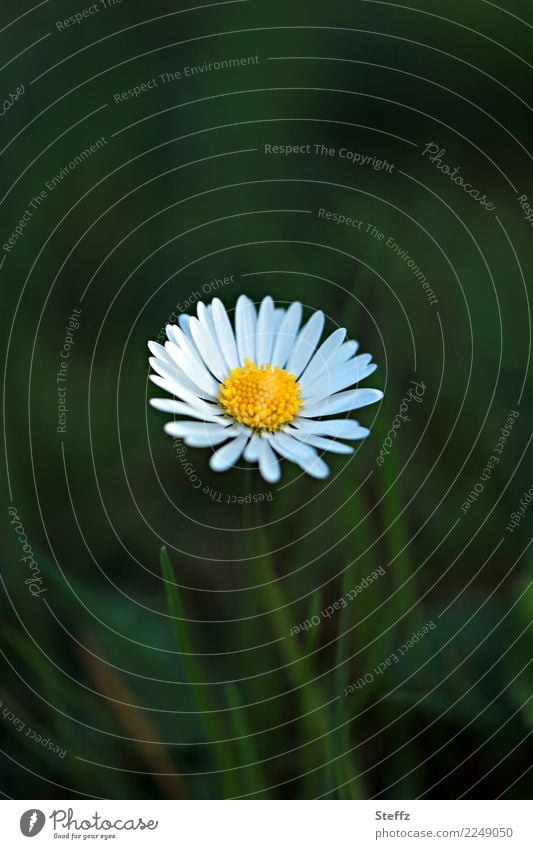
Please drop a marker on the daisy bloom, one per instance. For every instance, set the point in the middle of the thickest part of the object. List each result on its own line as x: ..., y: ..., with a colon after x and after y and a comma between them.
x: 265, y: 390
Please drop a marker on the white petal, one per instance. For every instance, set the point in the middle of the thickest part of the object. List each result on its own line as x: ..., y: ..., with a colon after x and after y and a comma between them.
x: 306, y: 344
x: 202, y: 312
x: 342, y: 403
x: 173, y: 333
x: 163, y: 359
x: 182, y: 336
x: 180, y: 391
x: 208, y: 349
x: 228, y: 455
x: 158, y: 351
x: 304, y: 455
x: 208, y: 440
x: 245, y: 327
x: 287, y: 334
x: 254, y: 448
x: 340, y: 428
x: 205, y: 317
x: 322, y: 357
x: 316, y: 467
x: 184, y: 322
x: 291, y: 448
x: 345, y: 352
x: 279, y: 315
x: 269, y: 464
x: 164, y: 366
x: 265, y: 331
x: 171, y: 371
x: 182, y: 340
x: 226, y: 337
x: 321, y: 443
x: 168, y: 405
x: 183, y: 429
x: 334, y: 379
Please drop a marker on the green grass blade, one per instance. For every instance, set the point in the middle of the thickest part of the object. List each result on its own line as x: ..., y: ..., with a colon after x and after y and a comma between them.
x: 213, y: 727
x: 248, y: 754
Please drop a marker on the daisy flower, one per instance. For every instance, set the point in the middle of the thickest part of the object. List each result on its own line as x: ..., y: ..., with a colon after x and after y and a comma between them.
x: 265, y: 390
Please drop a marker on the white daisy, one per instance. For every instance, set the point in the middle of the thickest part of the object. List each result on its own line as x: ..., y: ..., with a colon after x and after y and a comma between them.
x: 266, y: 389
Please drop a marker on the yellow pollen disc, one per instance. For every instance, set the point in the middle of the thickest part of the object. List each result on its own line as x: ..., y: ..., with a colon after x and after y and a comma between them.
x: 262, y: 397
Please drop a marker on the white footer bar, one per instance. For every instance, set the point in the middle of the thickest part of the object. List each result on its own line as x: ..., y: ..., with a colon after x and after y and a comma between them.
x: 267, y: 824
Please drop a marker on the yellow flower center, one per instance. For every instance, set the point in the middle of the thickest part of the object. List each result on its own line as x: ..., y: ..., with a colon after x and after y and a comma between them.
x: 262, y: 397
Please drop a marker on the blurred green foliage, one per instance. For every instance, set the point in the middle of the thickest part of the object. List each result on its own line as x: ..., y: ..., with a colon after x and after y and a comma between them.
x: 185, y: 683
